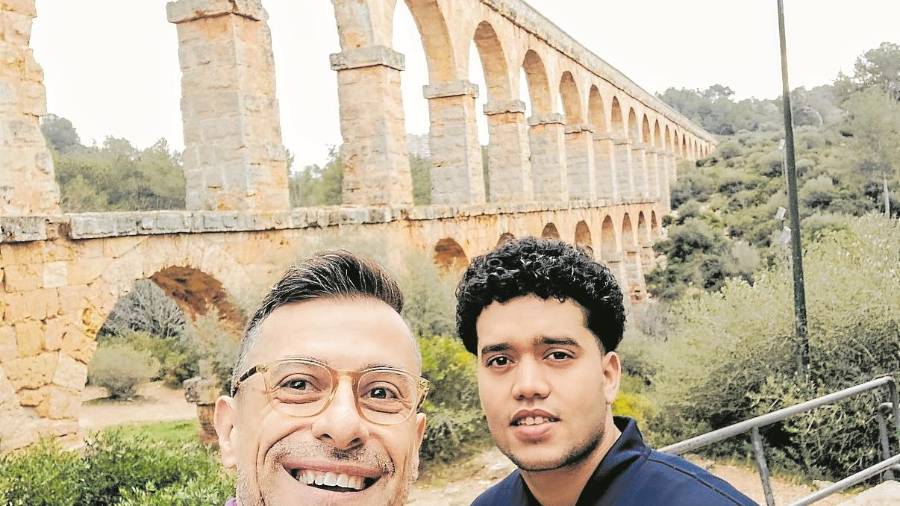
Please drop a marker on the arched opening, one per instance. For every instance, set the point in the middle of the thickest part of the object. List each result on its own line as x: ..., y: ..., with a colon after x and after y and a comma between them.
x: 505, y: 238
x: 596, y: 111
x: 654, y: 225
x: 174, y: 326
x: 449, y: 255
x: 538, y: 84
x: 608, y: 244
x: 646, y: 136
x: 618, y: 125
x: 550, y: 232
x: 657, y: 168
x: 643, y: 230
x: 571, y: 99
x: 583, y: 237
x: 634, y: 133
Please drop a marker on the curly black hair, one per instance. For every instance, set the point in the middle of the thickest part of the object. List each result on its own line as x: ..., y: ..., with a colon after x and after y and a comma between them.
x: 545, y: 268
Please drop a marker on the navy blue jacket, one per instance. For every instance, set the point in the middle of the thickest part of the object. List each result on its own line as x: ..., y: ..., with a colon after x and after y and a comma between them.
x: 631, y: 474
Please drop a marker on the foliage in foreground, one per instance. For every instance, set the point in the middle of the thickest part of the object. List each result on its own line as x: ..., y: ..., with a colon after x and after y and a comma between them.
x: 731, y: 355
x: 115, y: 468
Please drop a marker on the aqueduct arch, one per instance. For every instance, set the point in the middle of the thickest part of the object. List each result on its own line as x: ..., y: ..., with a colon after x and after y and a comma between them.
x: 550, y: 232
x: 583, y: 237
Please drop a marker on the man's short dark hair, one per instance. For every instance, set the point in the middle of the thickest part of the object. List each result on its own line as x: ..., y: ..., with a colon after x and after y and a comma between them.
x: 330, y: 274
x: 545, y: 268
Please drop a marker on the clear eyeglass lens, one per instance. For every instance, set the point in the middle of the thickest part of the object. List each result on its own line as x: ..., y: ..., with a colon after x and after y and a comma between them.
x: 386, y: 397
x: 300, y: 388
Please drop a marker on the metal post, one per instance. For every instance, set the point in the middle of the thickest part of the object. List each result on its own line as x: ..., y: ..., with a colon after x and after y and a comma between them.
x: 895, y: 401
x: 761, y: 465
x: 800, y: 326
x: 883, y: 438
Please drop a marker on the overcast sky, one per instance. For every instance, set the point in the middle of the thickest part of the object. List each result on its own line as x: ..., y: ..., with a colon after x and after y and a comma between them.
x: 111, y: 66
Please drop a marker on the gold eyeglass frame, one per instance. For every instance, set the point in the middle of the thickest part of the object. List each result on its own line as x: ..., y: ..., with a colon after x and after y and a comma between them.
x: 422, y: 385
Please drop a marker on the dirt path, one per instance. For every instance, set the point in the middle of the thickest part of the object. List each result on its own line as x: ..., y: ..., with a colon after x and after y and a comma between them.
x: 155, y: 403
x: 455, y: 485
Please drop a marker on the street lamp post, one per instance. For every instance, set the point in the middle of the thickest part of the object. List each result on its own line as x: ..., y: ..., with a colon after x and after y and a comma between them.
x: 800, y: 322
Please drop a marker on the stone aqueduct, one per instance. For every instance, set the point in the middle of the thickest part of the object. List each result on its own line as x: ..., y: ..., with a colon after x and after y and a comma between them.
x: 594, y: 170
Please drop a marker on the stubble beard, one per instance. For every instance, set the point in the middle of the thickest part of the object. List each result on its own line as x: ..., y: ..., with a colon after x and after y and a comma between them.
x: 575, y: 454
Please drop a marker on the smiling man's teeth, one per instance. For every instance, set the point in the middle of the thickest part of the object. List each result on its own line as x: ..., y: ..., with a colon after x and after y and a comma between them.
x: 331, y: 479
x: 534, y: 420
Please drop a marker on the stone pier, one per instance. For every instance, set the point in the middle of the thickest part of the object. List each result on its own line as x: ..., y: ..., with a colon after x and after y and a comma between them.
x: 233, y: 157
x: 509, y: 166
x: 548, y: 157
x: 457, y: 172
x: 580, y: 162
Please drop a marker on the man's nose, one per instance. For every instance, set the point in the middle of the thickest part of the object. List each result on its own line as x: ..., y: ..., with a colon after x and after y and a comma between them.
x: 340, y: 424
x: 530, y: 380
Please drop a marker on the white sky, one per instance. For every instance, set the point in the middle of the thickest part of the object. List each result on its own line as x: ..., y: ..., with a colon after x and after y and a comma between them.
x: 111, y: 66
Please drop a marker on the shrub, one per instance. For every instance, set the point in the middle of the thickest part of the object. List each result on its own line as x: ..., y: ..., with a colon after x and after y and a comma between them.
x: 146, y: 308
x: 455, y: 420
x: 42, y: 475
x: 215, y: 341
x: 731, y: 355
x: 177, y: 359
x: 115, y: 467
x: 121, y: 369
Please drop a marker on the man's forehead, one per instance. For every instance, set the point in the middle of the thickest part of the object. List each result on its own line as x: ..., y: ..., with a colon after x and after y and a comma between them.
x: 345, y: 333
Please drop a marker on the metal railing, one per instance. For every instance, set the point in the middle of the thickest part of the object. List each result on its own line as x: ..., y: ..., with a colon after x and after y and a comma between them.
x: 882, y: 412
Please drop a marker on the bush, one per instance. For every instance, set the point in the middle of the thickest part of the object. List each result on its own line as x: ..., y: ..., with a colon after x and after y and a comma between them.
x: 121, y: 369
x: 146, y: 308
x: 455, y: 420
x: 123, y: 465
x: 43, y: 475
x: 217, y: 342
x: 114, y: 468
x: 177, y: 359
x: 730, y: 356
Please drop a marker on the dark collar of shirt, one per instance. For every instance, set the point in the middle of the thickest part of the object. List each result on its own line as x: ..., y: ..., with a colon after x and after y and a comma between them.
x: 631, y: 474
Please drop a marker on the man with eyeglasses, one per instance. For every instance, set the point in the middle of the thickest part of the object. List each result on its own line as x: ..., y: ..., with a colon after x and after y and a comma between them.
x: 544, y: 320
x: 326, y: 391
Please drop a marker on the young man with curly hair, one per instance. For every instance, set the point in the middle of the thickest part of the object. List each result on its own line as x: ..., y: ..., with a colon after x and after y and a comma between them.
x: 544, y: 320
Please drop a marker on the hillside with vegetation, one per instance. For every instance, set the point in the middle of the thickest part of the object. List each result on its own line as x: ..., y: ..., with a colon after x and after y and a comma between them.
x: 717, y: 344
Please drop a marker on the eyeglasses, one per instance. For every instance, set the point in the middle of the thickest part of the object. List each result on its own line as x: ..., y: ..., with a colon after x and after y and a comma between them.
x: 305, y: 387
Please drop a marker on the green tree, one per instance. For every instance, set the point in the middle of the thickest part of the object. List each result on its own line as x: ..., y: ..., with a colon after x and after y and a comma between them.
x: 60, y: 133
x: 876, y: 68
x: 319, y: 186
x: 119, y: 177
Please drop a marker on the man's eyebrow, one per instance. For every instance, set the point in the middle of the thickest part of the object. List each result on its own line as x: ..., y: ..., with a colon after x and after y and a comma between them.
x: 494, y: 348
x: 381, y: 365
x: 556, y: 341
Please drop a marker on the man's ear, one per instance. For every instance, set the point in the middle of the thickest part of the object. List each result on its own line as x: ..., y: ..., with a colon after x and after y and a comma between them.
x: 612, y: 374
x: 420, y: 434
x: 224, y: 421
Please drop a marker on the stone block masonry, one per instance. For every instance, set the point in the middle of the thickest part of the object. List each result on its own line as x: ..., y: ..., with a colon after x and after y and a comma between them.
x: 27, y: 184
x: 233, y: 158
